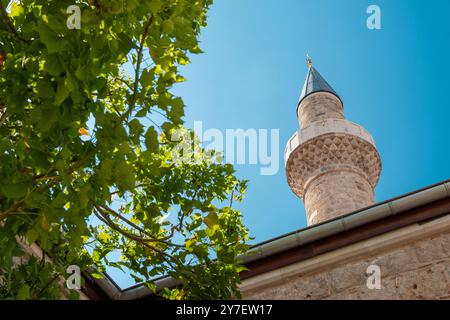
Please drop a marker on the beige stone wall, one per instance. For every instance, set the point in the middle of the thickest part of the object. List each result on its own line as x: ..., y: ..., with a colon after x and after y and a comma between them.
x: 420, y: 270
x: 319, y: 106
x: 335, y: 193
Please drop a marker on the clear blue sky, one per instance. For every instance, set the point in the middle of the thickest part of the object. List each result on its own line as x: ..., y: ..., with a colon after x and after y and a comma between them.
x: 394, y: 82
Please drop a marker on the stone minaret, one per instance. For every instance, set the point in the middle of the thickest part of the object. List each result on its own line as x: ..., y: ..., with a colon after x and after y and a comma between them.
x: 332, y: 164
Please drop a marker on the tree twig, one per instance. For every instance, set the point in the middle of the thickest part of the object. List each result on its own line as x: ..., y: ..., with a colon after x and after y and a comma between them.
x: 10, y: 25
x: 138, y: 68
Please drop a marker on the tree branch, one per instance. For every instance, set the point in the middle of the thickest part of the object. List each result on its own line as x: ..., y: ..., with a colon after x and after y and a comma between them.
x: 138, y: 68
x: 10, y: 25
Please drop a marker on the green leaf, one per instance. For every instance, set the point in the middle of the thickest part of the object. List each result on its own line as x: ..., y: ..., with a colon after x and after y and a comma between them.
x: 83, y: 72
x: 23, y: 293
x: 97, y: 275
x: 15, y: 190
x: 62, y: 93
x: 147, y: 78
x: 45, y: 89
x: 151, y: 140
x: 40, y: 159
x: 32, y: 235
x: 104, y: 237
x: 154, y: 5
x: 125, y: 43
x: 241, y: 268
x: 53, y: 66
x: 168, y: 26
x: 50, y: 38
x: 142, y: 113
x: 125, y: 176
x: 177, y: 110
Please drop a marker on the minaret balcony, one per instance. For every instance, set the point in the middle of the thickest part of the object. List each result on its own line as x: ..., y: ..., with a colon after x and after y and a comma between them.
x: 329, y: 145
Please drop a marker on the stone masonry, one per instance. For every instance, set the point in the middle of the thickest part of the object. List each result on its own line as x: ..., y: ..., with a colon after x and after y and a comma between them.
x: 419, y: 270
x: 319, y: 107
x: 332, y: 164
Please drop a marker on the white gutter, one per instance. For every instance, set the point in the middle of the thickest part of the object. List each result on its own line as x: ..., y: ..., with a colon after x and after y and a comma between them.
x: 301, y: 237
x: 348, y: 222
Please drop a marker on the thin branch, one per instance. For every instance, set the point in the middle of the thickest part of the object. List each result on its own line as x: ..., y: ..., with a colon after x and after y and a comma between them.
x: 160, y: 113
x: 157, y: 125
x: 231, y: 199
x: 10, y: 25
x: 109, y: 222
x: 138, y: 68
x: 124, y: 82
x: 3, y: 117
x: 48, y: 284
x: 131, y: 236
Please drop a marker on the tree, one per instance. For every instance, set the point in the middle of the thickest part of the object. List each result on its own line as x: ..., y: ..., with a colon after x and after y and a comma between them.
x: 87, y: 167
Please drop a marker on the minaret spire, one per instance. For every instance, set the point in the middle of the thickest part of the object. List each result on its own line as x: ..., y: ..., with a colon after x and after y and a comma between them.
x: 309, y: 61
x: 332, y: 164
x: 314, y: 82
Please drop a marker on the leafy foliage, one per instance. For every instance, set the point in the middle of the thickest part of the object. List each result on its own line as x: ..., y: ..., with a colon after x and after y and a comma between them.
x: 86, y: 118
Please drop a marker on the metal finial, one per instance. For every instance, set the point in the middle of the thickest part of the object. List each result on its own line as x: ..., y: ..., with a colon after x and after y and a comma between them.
x: 309, y: 61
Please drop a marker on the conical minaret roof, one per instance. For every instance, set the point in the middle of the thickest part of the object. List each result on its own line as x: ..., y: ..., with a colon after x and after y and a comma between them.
x: 315, y: 83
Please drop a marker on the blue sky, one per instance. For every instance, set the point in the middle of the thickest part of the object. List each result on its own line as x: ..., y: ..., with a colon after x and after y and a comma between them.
x: 394, y: 82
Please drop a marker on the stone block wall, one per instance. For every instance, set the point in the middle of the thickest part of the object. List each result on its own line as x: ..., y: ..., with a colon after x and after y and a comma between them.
x: 319, y: 106
x: 420, y: 270
x: 350, y: 192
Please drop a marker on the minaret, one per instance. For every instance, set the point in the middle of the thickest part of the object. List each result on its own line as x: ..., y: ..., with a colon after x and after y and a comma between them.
x: 332, y: 164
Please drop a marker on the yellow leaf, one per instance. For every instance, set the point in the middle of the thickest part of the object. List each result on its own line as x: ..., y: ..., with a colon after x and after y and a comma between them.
x: 44, y: 224
x: 83, y: 132
x: 16, y: 9
x: 211, y: 220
